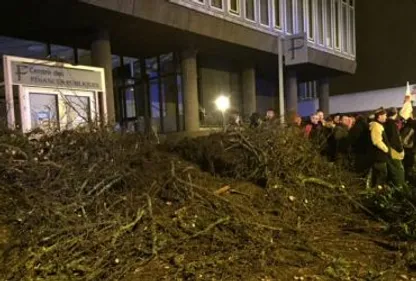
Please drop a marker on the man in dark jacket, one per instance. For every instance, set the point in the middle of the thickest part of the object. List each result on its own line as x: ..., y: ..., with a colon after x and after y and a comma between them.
x: 341, y: 143
x: 394, y: 164
x: 380, y: 148
x: 360, y: 141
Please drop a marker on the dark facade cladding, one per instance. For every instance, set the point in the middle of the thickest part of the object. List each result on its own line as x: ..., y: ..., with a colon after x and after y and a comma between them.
x: 166, y: 62
x: 385, y: 47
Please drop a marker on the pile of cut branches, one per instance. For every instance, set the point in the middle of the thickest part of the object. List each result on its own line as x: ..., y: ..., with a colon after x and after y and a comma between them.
x: 95, y: 205
x: 263, y: 157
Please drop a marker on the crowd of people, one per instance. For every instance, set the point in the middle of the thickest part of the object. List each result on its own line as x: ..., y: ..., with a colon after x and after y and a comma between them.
x: 383, y: 143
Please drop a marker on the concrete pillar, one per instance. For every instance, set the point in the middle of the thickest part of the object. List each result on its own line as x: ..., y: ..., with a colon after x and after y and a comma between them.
x: 190, y: 90
x: 292, y: 92
x: 323, y: 92
x: 248, y: 85
x: 101, y: 57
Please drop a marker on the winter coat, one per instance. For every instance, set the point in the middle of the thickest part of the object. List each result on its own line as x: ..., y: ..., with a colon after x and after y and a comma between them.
x: 380, y: 142
x: 359, y: 137
x: 394, y: 139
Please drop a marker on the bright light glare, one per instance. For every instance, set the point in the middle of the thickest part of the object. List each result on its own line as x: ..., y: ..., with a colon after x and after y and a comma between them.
x: 222, y: 103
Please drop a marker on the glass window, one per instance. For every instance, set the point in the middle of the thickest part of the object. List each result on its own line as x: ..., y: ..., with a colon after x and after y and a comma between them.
x: 289, y: 16
x: 250, y: 10
x: 303, y: 91
x: 62, y: 53
x: 152, y: 68
x: 217, y: 4
x: 264, y: 12
x: 116, y: 61
x: 337, y: 25
x: 320, y: 18
x: 345, y: 38
x: 117, y: 71
x: 167, y: 64
x: 180, y: 102
x: 200, y: 1
x: 77, y: 109
x: 22, y: 48
x: 311, y: 19
x: 328, y: 23
x: 277, y: 16
x: 180, y: 95
x: 154, y: 96
x: 131, y: 67
x: 351, y: 28
x: 234, y: 6
x: 170, y: 99
x: 300, y: 15
x: 44, y: 111
x: 130, y: 103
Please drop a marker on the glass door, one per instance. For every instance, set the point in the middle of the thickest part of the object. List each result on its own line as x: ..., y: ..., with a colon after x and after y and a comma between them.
x: 55, y: 109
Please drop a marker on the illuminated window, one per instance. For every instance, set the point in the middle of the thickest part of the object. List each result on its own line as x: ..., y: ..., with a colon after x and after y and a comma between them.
x: 276, y: 13
x: 234, y: 6
x: 264, y: 12
x: 250, y: 10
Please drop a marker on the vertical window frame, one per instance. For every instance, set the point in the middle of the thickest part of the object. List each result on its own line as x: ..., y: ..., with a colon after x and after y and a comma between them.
x: 320, y: 19
x: 345, y: 38
x: 304, y: 14
x: 211, y: 6
x: 310, y: 23
x: 352, y: 31
x: 198, y: 2
x: 281, y: 15
x: 328, y: 24
x: 236, y: 13
x: 336, y: 27
x: 268, y: 14
x: 255, y: 12
x: 293, y: 19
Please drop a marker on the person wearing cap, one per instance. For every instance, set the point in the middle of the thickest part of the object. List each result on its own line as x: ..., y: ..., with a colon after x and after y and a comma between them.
x: 394, y: 164
x: 381, y: 147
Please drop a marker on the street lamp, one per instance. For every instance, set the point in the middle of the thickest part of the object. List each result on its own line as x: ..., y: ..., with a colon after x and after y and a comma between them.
x: 223, y: 103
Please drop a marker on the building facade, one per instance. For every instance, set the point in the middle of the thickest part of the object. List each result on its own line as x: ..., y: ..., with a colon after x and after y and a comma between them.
x: 166, y: 61
x: 386, y: 56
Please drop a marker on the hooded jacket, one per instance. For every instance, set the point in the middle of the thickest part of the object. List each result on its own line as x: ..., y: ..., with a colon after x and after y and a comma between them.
x: 380, y: 142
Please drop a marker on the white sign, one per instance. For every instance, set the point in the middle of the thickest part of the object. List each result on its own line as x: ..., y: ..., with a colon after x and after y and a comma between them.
x: 30, y: 74
x: 296, y: 49
x: 48, y: 76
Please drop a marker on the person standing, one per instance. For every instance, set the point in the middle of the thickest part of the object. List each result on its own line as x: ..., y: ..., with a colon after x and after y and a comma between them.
x: 394, y: 164
x: 408, y: 133
x: 381, y: 149
x: 359, y: 140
